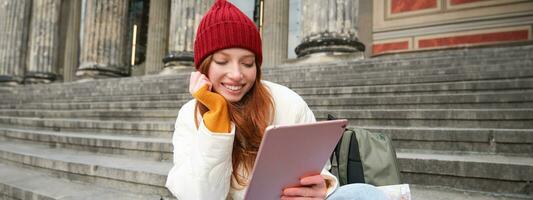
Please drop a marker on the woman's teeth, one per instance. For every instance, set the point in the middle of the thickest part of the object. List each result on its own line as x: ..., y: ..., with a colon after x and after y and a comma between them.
x: 233, y: 87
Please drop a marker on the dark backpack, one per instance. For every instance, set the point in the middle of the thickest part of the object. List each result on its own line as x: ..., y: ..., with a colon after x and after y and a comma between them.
x: 364, y: 157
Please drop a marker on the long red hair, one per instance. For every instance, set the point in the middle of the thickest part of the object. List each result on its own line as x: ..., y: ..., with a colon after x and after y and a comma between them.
x: 251, y: 115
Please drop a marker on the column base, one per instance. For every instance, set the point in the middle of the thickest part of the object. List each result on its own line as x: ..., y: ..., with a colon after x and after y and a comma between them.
x: 176, y: 70
x: 329, y: 43
x: 95, y: 74
x: 176, y: 62
x: 96, y: 71
x: 328, y: 57
x: 39, y: 77
x: 10, y: 80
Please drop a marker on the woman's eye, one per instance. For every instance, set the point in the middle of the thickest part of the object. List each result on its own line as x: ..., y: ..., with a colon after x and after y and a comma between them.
x: 220, y: 62
x: 248, y: 64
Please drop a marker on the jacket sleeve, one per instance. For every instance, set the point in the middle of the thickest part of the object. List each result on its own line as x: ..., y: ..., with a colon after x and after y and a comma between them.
x: 202, y: 160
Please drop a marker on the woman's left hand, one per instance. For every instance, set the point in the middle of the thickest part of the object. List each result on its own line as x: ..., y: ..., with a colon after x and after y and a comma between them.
x: 311, y: 187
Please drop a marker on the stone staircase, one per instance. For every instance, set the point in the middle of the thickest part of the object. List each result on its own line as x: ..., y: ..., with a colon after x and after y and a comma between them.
x: 460, y: 120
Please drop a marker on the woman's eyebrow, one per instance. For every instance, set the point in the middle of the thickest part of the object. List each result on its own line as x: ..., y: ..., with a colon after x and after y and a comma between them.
x: 248, y: 56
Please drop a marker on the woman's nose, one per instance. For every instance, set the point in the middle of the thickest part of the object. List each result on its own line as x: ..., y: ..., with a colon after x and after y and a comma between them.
x: 235, y: 73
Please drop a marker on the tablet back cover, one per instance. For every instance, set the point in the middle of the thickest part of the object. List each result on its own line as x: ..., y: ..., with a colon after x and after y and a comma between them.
x: 290, y: 152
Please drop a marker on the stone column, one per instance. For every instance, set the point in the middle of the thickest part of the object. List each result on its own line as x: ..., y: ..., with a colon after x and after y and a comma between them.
x: 44, y: 42
x: 184, y: 20
x: 329, y: 27
x: 158, y: 21
x: 103, y: 45
x: 275, y: 31
x: 72, y: 43
x: 14, y: 28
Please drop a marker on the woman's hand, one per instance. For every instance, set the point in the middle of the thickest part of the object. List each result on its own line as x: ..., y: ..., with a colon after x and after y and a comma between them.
x: 311, y: 187
x: 217, y: 118
x: 197, y: 81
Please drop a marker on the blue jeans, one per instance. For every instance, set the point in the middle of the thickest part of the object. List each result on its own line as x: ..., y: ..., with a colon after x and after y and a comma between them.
x: 357, y: 191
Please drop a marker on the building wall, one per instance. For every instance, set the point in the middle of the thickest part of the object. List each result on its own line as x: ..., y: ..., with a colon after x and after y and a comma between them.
x: 415, y: 25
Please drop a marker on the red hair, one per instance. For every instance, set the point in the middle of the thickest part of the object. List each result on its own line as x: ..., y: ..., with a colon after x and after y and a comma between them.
x: 251, y: 115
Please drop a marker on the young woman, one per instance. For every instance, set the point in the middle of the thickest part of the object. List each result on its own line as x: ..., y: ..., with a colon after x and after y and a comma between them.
x: 218, y: 133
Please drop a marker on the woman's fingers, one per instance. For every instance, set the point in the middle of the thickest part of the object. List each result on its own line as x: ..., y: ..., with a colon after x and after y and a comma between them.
x: 298, y: 198
x: 303, y: 192
x: 204, y: 80
x: 197, y: 81
x: 310, y: 187
x: 313, y: 180
x: 192, y: 81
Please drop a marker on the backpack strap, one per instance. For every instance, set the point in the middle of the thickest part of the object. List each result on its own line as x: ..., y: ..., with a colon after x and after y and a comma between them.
x: 342, y: 156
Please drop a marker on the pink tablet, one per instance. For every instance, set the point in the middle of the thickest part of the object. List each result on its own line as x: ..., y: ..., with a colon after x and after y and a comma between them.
x: 289, y: 152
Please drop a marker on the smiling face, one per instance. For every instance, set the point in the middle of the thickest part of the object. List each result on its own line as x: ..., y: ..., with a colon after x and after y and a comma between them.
x: 233, y: 73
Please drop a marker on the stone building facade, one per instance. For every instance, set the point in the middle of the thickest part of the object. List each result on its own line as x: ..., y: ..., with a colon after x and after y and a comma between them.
x: 43, y: 41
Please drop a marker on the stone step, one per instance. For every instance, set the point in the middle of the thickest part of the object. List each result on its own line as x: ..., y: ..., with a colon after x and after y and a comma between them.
x: 411, y: 74
x: 459, y: 118
x: 407, y: 80
x: 123, y: 98
x: 483, y: 172
x: 160, y: 129
x: 448, y: 193
x: 117, y: 172
x: 513, y: 77
x: 118, y: 105
x: 97, y: 114
x: 496, y: 141
x: 482, y: 99
x: 466, y: 99
x: 26, y: 184
x: 407, y: 69
x: 509, y: 85
x: 138, y: 88
x: 146, y: 147
x: 402, y: 60
x: 418, y: 58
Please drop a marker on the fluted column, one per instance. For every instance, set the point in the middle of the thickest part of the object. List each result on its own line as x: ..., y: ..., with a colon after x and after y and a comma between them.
x: 275, y: 31
x: 329, y: 26
x: 44, y: 42
x: 14, y: 28
x: 72, y: 43
x: 158, y: 21
x: 184, y: 20
x: 103, y: 46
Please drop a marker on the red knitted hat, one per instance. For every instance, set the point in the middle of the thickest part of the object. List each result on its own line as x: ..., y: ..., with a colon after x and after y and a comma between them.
x: 225, y: 26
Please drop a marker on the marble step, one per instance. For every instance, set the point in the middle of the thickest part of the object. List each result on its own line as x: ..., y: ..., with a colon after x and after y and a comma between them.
x: 25, y: 184
x: 520, y: 118
x: 482, y: 172
x: 161, y: 129
x: 113, y: 171
x: 147, y: 147
x: 482, y: 140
